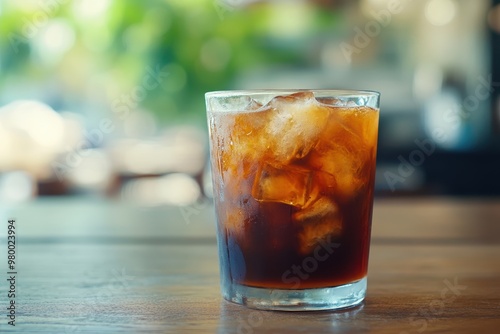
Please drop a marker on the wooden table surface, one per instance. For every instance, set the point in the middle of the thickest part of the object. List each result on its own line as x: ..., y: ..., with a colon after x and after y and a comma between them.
x: 98, y: 266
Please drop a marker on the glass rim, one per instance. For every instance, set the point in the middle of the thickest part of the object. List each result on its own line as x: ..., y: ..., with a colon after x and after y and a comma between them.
x: 272, y: 91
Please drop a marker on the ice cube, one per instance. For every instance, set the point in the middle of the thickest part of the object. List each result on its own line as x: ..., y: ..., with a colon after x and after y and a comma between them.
x: 220, y: 132
x: 322, y: 207
x: 253, y: 105
x: 347, y: 167
x: 284, y: 184
x: 240, y: 140
x: 319, y: 221
x: 342, y: 154
x: 230, y: 103
x: 364, y: 122
x: 295, y: 124
x: 330, y: 101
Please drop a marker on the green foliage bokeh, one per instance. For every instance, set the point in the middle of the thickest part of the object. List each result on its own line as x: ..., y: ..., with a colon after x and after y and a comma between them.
x: 134, y: 36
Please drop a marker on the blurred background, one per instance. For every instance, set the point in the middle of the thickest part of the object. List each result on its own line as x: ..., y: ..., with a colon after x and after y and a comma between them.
x: 106, y: 98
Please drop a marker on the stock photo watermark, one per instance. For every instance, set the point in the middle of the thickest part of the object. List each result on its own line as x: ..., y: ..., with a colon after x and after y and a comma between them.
x: 250, y: 323
x: 300, y: 272
x: 453, y: 118
x: 12, y: 273
x: 127, y: 102
x: 188, y: 212
x: 121, y: 106
x: 38, y: 20
x: 407, y: 166
x: 118, y: 283
x: 364, y: 35
x: 223, y: 7
x: 421, y: 319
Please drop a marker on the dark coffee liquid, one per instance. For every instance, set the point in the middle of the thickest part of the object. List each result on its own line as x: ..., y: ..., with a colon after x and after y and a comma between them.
x: 294, y: 215
x: 265, y: 254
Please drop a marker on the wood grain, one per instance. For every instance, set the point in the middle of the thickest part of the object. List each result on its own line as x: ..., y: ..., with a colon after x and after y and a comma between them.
x: 88, y: 267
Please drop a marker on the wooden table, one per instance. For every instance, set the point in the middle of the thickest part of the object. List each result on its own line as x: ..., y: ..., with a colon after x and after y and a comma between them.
x: 98, y: 266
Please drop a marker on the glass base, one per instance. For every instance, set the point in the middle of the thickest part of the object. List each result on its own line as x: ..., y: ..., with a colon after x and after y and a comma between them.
x: 330, y: 298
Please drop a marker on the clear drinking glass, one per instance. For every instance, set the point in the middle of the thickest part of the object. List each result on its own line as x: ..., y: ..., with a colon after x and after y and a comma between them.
x: 293, y: 175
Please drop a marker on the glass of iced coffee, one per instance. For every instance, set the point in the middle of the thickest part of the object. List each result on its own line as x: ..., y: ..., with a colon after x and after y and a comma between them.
x: 293, y: 177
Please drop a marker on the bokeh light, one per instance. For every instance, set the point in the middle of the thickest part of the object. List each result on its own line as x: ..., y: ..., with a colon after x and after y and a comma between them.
x: 440, y: 12
x: 90, y: 10
x: 94, y: 172
x: 17, y: 186
x: 42, y: 124
x: 173, y: 189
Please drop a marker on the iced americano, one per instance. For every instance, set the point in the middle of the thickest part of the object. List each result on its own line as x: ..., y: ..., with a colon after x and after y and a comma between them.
x: 293, y: 188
